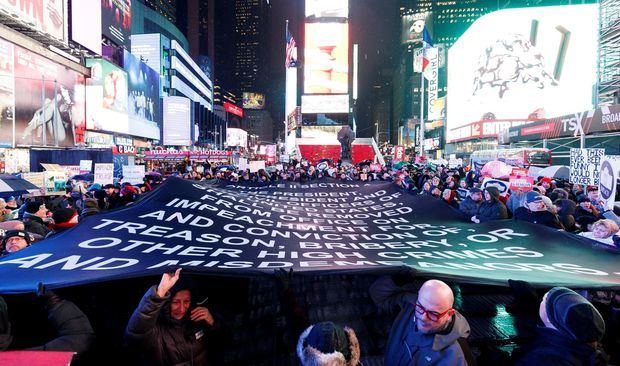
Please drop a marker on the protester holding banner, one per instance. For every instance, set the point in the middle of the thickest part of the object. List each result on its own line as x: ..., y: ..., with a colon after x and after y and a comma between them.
x: 471, y: 204
x: 566, y: 210
x: 492, y: 208
x: 586, y: 214
x: 603, y: 231
x: 535, y: 211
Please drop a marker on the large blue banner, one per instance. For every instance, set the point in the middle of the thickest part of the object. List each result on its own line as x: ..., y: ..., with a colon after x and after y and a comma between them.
x: 320, y: 227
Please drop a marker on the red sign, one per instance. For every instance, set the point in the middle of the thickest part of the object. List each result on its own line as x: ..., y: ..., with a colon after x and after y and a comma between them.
x: 123, y: 150
x: 231, y: 108
x: 519, y: 172
x: 522, y: 183
x: 399, y: 153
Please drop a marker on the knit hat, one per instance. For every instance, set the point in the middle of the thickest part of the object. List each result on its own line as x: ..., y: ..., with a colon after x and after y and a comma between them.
x: 574, y: 316
x: 473, y: 190
x: 532, y: 196
x: 546, y: 180
x: 583, y: 198
x: 62, y: 215
x: 108, y: 186
x: 11, y: 199
x: 328, y: 344
x: 33, y: 206
x: 20, y: 233
x: 91, y: 203
x: 94, y: 187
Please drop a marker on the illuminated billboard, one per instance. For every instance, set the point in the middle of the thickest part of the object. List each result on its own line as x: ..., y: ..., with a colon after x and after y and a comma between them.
x: 413, y: 26
x: 143, y: 97
x: 324, y: 104
x: 253, y: 100
x: 327, y: 9
x: 86, y: 24
x: 116, y: 20
x: 326, y: 67
x: 236, y: 137
x: 518, y: 64
x: 177, y: 121
x: 45, y: 16
x: 106, y: 95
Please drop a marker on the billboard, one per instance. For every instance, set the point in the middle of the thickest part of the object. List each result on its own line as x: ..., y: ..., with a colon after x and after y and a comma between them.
x: 253, y: 100
x: 236, y: 137
x: 231, y: 108
x: 413, y: 26
x: 143, y: 97
x: 316, y: 9
x: 86, y: 24
x: 116, y: 21
x: 148, y: 48
x: 49, y: 101
x: 517, y: 63
x: 7, y: 93
x: 177, y: 121
x: 46, y: 16
x: 326, y: 67
x: 106, y: 94
x: 324, y: 104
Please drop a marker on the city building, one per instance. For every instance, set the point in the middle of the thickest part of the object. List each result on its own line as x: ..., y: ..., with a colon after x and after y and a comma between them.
x: 167, y: 8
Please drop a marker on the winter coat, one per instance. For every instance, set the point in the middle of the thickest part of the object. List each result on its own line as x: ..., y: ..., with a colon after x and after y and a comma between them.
x: 166, y: 341
x: 552, y: 348
x: 34, y: 224
x: 493, y: 209
x: 469, y: 207
x: 516, y: 200
x: 406, y: 345
x: 566, y: 211
x: 538, y: 217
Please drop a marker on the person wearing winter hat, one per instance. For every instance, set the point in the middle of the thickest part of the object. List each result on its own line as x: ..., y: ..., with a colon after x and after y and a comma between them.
x: 471, y: 204
x: 586, y: 212
x: 91, y: 207
x: 64, y: 219
x: 535, y: 211
x: 572, y: 329
x: 492, y: 208
x: 34, y: 215
x: 11, y: 203
x: 327, y: 344
x: 15, y: 240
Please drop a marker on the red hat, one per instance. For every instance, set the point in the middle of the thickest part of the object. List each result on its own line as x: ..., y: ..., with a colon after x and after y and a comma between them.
x: 546, y: 179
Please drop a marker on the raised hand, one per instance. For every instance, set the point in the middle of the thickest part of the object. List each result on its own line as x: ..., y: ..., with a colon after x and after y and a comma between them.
x: 201, y: 313
x: 167, y: 281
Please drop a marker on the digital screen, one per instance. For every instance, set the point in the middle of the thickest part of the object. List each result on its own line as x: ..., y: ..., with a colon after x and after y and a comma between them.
x: 236, y: 137
x: 143, y: 97
x: 147, y: 47
x: 86, y: 24
x: 253, y: 100
x: 177, y: 121
x: 106, y: 95
x: 116, y: 20
x: 46, y: 16
x: 324, y: 104
x: 327, y: 9
x: 413, y: 27
x: 326, y: 67
x: 525, y: 63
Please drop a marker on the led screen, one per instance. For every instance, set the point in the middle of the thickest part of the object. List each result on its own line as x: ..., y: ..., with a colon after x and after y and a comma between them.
x: 116, y: 20
x: 177, y: 121
x: 324, y: 104
x: 236, y: 137
x: 253, y: 101
x: 327, y: 9
x: 86, y: 24
x: 143, y: 98
x: 46, y: 16
x: 326, y: 68
x: 106, y: 95
x: 517, y: 63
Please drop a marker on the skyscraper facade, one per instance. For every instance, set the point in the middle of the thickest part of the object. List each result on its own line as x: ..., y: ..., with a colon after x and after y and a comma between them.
x: 250, y: 26
x: 167, y: 8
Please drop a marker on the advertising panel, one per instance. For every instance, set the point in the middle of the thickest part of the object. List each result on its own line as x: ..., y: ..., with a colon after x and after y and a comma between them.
x: 86, y: 24
x: 148, y: 48
x: 253, y: 100
x: 326, y: 67
x: 316, y: 9
x: 49, y: 101
x: 177, y: 121
x: 46, y: 16
x: 7, y: 93
x: 236, y: 137
x: 116, y: 21
x: 106, y: 94
x: 231, y: 108
x: 293, y: 120
x: 143, y: 97
x: 412, y: 27
x: 324, y: 104
x: 517, y: 63
x: 96, y: 139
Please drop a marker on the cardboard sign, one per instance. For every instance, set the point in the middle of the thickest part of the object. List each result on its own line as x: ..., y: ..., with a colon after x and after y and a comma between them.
x: 609, y: 174
x: 399, y: 153
x: 257, y: 165
x: 104, y: 173
x: 133, y: 174
x: 585, y: 165
x: 501, y: 185
x: 71, y: 170
x: 523, y: 183
x: 86, y: 166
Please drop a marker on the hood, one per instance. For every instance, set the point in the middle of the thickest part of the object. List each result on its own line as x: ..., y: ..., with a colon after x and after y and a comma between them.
x: 460, y: 329
x: 310, y: 356
x: 494, y: 192
x: 566, y: 207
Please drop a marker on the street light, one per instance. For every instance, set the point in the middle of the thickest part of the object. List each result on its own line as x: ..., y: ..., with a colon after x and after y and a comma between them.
x: 377, y: 132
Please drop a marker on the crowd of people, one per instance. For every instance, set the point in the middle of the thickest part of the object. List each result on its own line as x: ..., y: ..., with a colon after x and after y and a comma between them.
x: 171, y: 328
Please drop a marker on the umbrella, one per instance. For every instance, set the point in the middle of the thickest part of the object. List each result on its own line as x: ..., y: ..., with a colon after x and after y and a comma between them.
x: 84, y: 177
x: 154, y: 174
x: 497, y: 169
x: 401, y: 164
x: 226, y: 167
x: 271, y: 169
x: 555, y: 171
x: 11, y: 185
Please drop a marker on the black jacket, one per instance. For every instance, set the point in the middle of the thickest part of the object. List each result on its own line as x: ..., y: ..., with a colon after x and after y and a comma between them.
x: 493, y: 209
x: 469, y: 207
x: 164, y: 340
x: 538, y: 217
x: 34, y: 224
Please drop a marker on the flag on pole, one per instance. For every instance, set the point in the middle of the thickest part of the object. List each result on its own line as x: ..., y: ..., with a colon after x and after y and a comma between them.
x: 427, y: 45
x: 291, y: 50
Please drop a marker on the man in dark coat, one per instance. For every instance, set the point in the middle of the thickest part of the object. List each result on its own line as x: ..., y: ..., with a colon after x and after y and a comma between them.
x: 536, y: 212
x: 492, y: 208
x: 164, y: 329
x: 34, y: 214
x: 572, y: 329
x: 471, y: 204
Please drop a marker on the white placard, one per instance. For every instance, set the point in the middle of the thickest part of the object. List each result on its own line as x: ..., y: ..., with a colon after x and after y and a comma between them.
x: 585, y: 165
x: 104, y: 173
x: 256, y: 165
x: 86, y: 166
x: 609, y: 174
x: 243, y: 164
x: 133, y: 174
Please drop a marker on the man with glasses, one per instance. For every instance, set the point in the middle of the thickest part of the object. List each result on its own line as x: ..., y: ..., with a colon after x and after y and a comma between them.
x: 427, y: 330
x: 34, y: 217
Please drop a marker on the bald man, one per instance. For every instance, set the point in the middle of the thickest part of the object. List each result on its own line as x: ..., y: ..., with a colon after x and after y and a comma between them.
x: 427, y: 330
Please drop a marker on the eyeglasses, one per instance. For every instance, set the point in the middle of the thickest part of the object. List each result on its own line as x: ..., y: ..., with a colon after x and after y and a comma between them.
x: 432, y: 315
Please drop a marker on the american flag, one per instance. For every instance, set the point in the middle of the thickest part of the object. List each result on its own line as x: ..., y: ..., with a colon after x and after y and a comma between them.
x: 291, y: 50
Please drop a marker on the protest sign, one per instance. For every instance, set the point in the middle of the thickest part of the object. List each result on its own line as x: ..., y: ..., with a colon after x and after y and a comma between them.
x: 519, y: 172
x: 243, y: 164
x: 256, y: 165
x: 399, y: 153
x: 501, y: 185
x: 86, y: 166
x: 133, y: 174
x: 585, y: 165
x: 521, y: 183
x: 609, y: 174
x: 104, y: 173
x: 327, y: 226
